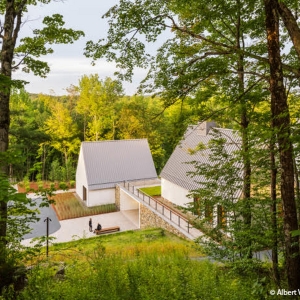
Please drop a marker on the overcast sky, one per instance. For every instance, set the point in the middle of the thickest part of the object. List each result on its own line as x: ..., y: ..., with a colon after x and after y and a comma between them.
x: 68, y: 64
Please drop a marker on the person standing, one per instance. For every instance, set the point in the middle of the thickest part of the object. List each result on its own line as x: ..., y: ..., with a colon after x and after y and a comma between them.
x: 90, y: 225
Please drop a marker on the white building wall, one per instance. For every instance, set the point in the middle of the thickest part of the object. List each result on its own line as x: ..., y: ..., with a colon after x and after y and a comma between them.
x: 127, y: 202
x: 80, y: 176
x: 174, y: 193
x: 99, y: 197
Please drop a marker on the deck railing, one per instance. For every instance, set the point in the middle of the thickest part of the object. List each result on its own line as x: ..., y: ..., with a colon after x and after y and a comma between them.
x: 160, y: 207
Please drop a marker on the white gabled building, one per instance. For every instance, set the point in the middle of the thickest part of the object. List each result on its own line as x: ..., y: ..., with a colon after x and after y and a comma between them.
x: 103, y: 164
x: 176, y: 183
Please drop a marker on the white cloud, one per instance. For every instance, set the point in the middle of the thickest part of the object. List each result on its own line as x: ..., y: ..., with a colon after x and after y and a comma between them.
x: 67, y: 71
x: 79, y: 65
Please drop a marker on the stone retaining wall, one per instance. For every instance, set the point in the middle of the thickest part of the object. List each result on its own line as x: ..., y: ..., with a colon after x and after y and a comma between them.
x: 148, y: 219
x: 118, y: 203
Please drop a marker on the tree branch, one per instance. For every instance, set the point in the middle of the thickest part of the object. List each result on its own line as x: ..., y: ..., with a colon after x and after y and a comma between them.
x: 175, y: 26
x: 18, y: 13
x: 291, y: 25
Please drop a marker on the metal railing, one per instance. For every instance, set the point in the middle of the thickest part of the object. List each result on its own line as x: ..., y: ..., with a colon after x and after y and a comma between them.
x: 160, y: 207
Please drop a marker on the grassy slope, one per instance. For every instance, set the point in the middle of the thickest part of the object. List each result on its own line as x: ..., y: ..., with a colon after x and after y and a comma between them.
x: 140, y: 265
x: 124, y: 243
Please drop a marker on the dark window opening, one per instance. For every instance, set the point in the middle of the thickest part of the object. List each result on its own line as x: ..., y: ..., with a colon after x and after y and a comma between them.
x: 83, y: 193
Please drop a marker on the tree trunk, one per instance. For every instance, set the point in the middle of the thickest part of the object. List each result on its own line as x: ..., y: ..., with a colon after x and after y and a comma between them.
x: 43, y: 158
x: 7, y: 51
x: 245, y: 143
x: 274, y: 214
x: 281, y: 122
x: 297, y: 188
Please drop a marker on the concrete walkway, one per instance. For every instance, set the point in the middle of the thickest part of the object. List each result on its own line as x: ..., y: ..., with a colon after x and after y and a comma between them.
x: 74, y: 229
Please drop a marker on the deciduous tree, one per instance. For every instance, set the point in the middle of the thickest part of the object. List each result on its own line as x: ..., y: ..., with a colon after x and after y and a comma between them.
x: 26, y: 53
x: 63, y: 131
x: 281, y: 124
x: 96, y: 103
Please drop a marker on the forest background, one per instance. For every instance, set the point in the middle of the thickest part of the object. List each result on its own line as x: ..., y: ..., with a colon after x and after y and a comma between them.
x: 47, y: 130
x: 233, y: 62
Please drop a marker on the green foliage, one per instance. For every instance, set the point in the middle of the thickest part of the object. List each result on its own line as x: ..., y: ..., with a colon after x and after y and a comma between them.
x: 16, y: 223
x: 146, y: 117
x: 26, y: 136
x: 97, y: 104
x: 221, y: 207
x: 53, y: 32
x: 6, y: 83
x: 72, y: 183
x: 55, y: 171
x: 63, y: 186
x: 129, y: 17
x: 296, y: 233
x: 60, y: 127
x: 62, y: 130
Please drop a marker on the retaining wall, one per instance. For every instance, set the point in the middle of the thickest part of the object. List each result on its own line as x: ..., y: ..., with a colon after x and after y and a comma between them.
x: 148, y: 219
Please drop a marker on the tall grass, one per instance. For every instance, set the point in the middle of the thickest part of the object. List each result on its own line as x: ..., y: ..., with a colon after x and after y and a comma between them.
x: 144, y: 276
x: 67, y: 206
x: 141, y: 265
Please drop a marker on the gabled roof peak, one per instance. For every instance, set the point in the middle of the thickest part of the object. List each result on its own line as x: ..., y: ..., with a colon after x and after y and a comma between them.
x: 204, y: 127
x: 117, y: 141
x: 108, y: 162
x: 180, y: 163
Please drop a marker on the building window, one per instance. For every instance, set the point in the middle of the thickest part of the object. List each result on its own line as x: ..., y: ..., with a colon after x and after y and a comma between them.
x: 83, y: 193
x: 221, y: 218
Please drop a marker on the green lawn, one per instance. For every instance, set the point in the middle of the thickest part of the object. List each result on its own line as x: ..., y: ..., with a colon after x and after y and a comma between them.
x: 152, y: 190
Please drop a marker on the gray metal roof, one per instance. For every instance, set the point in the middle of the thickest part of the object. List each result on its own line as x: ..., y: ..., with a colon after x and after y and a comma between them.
x: 178, y: 166
x: 111, y: 162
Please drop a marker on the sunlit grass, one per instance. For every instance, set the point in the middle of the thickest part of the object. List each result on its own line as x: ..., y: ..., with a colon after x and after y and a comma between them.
x: 152, y: 190
x: 126, y: 244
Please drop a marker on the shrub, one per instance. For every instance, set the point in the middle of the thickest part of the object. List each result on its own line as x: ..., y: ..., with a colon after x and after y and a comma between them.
x: 72, y: 183
x: 63, y: 186
x: 26, y: 183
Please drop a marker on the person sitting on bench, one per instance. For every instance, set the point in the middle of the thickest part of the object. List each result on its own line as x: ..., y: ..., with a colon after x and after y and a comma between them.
x: 99, y: 227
